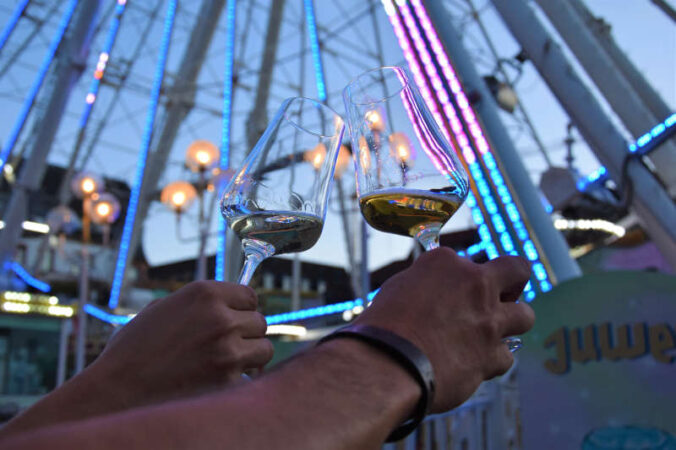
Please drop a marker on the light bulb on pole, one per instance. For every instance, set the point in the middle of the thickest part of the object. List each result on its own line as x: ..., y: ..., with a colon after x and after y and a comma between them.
x: 178, y: 196
x: 316, y: 156
x: 105, y: 210
x: 402, y: 150
x: 85, y: 186
x: 202, y: 156
x: 364, y: 154
x: 374, y: 120
x: 342, y: 161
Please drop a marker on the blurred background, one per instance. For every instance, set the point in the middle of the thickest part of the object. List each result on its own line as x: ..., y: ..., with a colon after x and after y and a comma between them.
x: 122, y: 120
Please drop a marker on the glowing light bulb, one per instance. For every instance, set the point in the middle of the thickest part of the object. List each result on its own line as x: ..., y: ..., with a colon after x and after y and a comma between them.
x: 364, y: 154
x: 400, y: 146
x: 374, y: 120
x: 342, y: 161
x: 317, y: 161
x: 178, y: 198
x: 103, y: 209
x: 88, y: 185
x: 202, y: 157
x: 316, y: 156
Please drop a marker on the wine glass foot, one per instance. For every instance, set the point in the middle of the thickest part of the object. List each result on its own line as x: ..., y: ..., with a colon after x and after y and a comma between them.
x: 513, y: 343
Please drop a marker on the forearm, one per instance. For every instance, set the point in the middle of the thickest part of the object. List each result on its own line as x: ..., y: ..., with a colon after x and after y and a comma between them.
x: 350, y: 396
x: 342, y: 395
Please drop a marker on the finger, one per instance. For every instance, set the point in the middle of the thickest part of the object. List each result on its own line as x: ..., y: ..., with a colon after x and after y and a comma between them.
x: 509, y: 274
x: 250, y: 324
x: 255, y: 353
x: 501, y: 361
x: 240, y: 298
x: 515, y: 318
x: 236, y: 296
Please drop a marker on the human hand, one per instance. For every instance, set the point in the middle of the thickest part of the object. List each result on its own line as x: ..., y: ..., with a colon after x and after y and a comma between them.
x: 202, y: 337
x: 457, y: 313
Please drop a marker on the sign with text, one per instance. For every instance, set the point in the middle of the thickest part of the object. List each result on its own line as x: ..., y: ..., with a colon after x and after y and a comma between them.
x: 598, y: 370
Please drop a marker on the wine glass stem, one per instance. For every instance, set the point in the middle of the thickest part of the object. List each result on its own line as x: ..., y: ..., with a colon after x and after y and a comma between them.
x: 255, y: 251
x: 428, y: 237
x: 251, y: 262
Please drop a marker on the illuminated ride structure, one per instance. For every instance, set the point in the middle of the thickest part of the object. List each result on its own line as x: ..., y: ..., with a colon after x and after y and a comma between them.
x: 123, y: 87
x: 218, y: 69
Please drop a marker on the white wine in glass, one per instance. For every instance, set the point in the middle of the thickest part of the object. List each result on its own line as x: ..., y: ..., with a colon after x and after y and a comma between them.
x: 276, y: 203
x: 285, y: 231
x: 408, y: 211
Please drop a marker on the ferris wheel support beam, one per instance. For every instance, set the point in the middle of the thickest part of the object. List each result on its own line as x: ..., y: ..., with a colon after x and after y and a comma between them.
x: 611, y: 82
x: 258, y: 119
x: 181, y: 99
x: 601, y: 31
x: 67, y: 71
x: 9, y: 61
x: 650, y: 201
x: 501, y: 68
x: 549, y: 239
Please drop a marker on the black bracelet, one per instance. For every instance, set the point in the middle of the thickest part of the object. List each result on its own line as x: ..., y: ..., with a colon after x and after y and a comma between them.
x: 405, y: 353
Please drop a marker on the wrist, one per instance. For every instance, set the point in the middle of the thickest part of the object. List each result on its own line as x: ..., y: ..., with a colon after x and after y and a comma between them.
x: 388, y: 384
x: 407, y: 356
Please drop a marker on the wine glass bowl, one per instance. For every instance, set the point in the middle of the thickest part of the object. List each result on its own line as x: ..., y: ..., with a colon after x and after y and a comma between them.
x: 409, y: 180
x: 276, y: 203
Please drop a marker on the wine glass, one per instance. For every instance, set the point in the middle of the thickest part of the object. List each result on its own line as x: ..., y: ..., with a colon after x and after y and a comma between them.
x: 276, y: 203
x: 409, y: 179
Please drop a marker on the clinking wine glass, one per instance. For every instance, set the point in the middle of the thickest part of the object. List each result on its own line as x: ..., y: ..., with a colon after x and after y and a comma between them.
x: 276, y: 203
x: 409, y: 179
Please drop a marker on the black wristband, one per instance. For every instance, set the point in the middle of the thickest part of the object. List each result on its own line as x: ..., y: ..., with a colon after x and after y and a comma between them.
x: 405, y: 353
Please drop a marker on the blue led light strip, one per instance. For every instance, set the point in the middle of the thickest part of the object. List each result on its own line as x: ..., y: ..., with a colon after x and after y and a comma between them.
x: 101, y: 64
x: 314, y: 46
x: 643, y: 145
x: 225, y: 138
x: 29, y: 279
x: 292, y: 316
x: 130, y: 217
x: 11, y: 23
x: 37, y: 83
x: 319, y: 311
x: 105, y: 316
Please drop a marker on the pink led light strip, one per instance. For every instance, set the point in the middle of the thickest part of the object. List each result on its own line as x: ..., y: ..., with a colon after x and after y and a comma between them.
x: 449, y: 74
x: 442, y: 96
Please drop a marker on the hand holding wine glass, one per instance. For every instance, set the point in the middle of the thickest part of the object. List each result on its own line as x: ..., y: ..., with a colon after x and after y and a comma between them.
x: 276, y: 203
